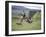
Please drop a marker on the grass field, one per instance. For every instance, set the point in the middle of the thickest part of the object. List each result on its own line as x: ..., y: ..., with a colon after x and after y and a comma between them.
x: 35, y: 25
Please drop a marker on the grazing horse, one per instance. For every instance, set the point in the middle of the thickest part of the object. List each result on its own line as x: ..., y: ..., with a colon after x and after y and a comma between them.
x: 23, y: 17
x: 29, y: 19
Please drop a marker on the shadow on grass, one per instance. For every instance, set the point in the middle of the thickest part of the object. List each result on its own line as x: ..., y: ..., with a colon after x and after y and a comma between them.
x: 19, y: 23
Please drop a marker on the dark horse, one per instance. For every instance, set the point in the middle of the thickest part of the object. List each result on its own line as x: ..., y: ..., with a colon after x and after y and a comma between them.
x: 29, y: 20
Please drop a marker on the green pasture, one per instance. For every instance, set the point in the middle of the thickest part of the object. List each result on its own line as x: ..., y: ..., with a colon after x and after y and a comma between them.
x: 35, y: 25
